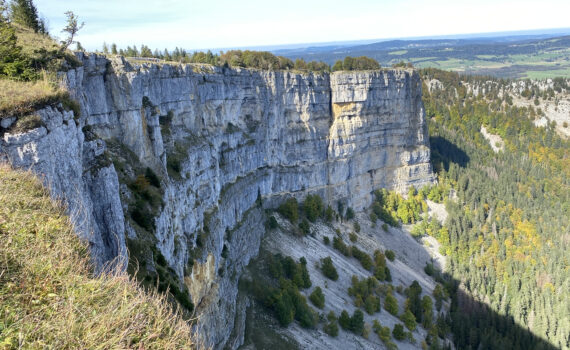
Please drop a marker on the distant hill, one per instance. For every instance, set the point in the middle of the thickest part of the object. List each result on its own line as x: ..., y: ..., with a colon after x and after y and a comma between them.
x: 509, y: 56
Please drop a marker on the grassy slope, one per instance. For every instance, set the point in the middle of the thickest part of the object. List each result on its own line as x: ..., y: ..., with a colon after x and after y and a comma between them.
x: 20, y: 97
x: 49, y: 297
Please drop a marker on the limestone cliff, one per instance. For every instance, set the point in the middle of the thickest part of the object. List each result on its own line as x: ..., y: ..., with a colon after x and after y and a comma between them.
x: 222, y: 141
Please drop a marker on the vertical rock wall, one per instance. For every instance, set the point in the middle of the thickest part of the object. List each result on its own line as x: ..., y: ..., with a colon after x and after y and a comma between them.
x: 237, y: 136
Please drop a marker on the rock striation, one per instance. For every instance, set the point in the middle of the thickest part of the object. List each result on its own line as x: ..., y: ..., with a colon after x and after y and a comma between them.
x: 226, y: 143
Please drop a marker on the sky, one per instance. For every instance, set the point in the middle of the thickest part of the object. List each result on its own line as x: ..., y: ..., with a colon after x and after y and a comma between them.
x: 192, y: 24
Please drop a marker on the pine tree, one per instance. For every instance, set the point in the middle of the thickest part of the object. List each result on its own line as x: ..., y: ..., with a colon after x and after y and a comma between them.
x: 25, y: 13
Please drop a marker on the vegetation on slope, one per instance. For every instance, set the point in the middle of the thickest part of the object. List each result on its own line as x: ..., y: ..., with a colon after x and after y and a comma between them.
x: 507, y: 233
x: 29, y: 60
x: 49, y: 296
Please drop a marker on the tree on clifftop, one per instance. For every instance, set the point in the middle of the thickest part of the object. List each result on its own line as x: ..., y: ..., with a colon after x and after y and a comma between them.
x: 25, y: 13
x: 71, y: 28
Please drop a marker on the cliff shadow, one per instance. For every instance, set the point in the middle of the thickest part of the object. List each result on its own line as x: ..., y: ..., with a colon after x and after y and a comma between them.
x: 445, y: 152
x: 475, y: 325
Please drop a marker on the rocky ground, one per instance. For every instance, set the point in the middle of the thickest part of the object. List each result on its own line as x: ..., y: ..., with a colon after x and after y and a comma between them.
x: 411, y: 258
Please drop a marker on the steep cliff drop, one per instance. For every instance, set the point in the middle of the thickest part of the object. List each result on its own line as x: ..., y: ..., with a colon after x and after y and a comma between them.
x: 176, y: 163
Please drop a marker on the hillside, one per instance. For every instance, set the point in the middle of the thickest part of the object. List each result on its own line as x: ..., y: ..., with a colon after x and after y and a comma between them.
x: 49, y: 294
x: 504, y: 57
x: 508, y: 231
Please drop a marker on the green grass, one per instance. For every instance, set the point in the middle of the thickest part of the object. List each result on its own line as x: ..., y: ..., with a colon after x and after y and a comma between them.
x: 49, y: 297
x: 19, y: 98
x: 548, y: 74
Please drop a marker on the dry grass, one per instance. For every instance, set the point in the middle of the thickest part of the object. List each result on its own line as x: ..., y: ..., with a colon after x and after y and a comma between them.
x: 19, y: 98
x: 31, y: 41
x: 48, y: 296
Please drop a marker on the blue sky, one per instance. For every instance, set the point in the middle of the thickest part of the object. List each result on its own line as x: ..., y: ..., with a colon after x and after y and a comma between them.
x: 233, y: 23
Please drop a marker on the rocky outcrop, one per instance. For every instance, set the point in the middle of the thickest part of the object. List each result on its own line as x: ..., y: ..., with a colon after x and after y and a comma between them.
x: 225, y: 143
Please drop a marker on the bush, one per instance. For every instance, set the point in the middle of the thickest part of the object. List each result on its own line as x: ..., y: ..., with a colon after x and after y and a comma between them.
x: 313, y: 207
x: 398, y: 332
x: 409, y: 320
x: 152, y: 177
x: 391, y: 304
x: 357, y: 322
x: 329, y: 214
x: 339, y: 245
x: 349, y: 213
x: 272, y: 223
x: 318, y: 298
x: 290, y: 210
x: 372, y: 304
x: 331, y: 328
x: 280, y: 267
x: 363, y: 292
x: 357, y: 227
x: 365, y: 259
x: 352, y: 236
x: 429, y: 269
x: 326, y: 240
x: 328, y: 269
x: 385, y: 227
x: 305, y: 227
x: 381, y: 271
x: 373, y: 217
x: 390, y: 255
x: 286, y: 301
x: 344, y: 320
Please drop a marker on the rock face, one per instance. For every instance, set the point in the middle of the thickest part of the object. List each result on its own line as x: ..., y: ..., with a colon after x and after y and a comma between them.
x: 225, y: 143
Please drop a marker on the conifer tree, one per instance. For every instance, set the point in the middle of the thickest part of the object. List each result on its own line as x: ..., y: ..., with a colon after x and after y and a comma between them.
x: 25, y: 13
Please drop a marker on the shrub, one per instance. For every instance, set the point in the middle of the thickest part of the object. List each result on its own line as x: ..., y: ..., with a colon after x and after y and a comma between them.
x: 286, y: 267
x: 373, y: 217
x: 381, y: 271
x: 414, y: 303
x: 331, y: 328
x: 427, y: 312
x: 390, y: 255
x: 365, y: 259
x: 339, y: 245
x: 363, y: 292
x: 391, y: 304
x: 372, y: 304
x: 349, y: 213
x: 329, y: 214
x: 352, y: 236
x: 152, y: 177
x: 286, y: 301
x: 305, y: 227
x: 357, y: 322
x: 356, y: 227
x: 385, y: 227
x: 313, y: 207
x: 429, y: 269
x: 344, y: 320
x: 272, y: 223
x: 290, y: 210
x: 326, y: 240
x: 318, y: 298
x: 398, y: 332
x: 328, y: 269
x: 409, y: 320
